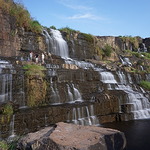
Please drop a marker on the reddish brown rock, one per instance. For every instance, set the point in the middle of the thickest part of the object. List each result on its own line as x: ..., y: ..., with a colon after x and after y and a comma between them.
x: 74, y: 137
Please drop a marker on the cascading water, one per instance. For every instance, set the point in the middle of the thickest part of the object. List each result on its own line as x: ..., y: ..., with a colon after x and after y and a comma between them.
x: 45, y: 119
x: 74, y: 94
x: 107, y: 77
x: 5, y: 82
x: 80, y: 64
x: 144, y: 47
x: 12, y: 129
x: 56, y: 44
x: 54, y: 93
x: 77, y: 95
x: 139, y: 104
x: 125, y: 61
x: 84, y: 116
x: 70, y: 95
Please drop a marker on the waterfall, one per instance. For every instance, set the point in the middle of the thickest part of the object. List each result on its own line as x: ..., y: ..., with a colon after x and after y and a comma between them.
x: 70, y: 95
x: 94, y: 119
x: 122, y: 77
x: 74, y: 120
x: 12, y: 129
x: 45, y: 119
x: 88, y: 116
x: 144, y: 47
x: 84, y: 116
x: 56, y: 44
x: 54, y: 95
x: 139, y: 104
x: 77, y: 95
x: 80, y: 64
x: 125, y: 61
x: 74, y: 94
x: 5, y: 82
x: 129, y: 78
x: 107, y: 77
x: 48, y: 40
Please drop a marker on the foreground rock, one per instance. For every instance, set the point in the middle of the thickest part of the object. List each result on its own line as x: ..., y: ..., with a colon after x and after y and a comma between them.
x: 74, y: 137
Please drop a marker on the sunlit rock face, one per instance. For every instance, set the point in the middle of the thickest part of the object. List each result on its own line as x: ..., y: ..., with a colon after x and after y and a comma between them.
x: 9, y: 40
x: 13, y: 39
x: 68, y: 136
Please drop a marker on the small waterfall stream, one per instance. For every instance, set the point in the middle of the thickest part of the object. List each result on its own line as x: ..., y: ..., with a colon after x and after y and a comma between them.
x: 84, y: 116
x: 12, y: 129
x: 77, y: 95
x: 54, y: 95
x: 70, y: 95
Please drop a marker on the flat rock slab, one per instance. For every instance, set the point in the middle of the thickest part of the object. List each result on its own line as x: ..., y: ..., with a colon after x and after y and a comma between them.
x: 74, y: 137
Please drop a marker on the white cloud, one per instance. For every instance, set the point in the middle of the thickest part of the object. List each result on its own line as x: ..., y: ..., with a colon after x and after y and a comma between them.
x: 71, y: 4
x: 85, y: 16
x: 78, y: 7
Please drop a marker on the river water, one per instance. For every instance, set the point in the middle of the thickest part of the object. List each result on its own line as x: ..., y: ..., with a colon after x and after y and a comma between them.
x: 137, y: 133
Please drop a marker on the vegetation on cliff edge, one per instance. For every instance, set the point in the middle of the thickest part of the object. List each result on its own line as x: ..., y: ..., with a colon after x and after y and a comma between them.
x: 22, y: 16
x: 133, y: 40
x: 107, y: 50
x: 35, y: 84
x: 145, y: 84
x: 69, y: 31
x: 33, y: 69
x: 8, y: 109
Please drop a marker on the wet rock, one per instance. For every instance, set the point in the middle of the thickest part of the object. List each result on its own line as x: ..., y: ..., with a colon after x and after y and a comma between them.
x: 74, y: 137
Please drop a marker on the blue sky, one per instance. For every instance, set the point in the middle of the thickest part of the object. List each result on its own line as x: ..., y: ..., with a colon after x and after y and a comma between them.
x: 97, y: 17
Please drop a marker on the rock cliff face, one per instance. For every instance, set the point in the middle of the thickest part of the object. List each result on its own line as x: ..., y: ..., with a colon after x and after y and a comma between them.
x: 68, y: 137
x: 9, y: 40
x: 14, y: 39
x: 147, y: 43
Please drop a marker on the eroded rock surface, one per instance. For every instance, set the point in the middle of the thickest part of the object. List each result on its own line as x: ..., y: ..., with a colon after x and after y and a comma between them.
x: 74, y: 137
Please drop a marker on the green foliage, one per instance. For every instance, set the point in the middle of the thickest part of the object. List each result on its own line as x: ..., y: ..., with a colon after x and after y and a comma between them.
x: 3, y: 145
x: 53, y: 27
x: 145, y: 84
x: 22, y: 16
x: 9, y: 145
x: 8, y: 109
x: 107, y: 50
x: 33, y: 69
x: 136, y: 54
x: 35, y: 26
x: 88, y: 37
x: 68, y: 30
x: 147, y: 55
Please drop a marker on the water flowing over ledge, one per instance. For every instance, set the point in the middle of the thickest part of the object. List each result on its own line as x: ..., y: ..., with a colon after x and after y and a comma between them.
x: 79, y: 92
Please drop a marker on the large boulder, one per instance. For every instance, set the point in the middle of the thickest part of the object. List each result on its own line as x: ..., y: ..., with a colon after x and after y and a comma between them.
x: 74, y: 137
